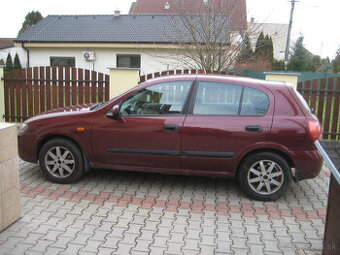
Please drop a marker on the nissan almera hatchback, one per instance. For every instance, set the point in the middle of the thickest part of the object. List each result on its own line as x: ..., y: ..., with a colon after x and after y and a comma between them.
x: 261, y: 132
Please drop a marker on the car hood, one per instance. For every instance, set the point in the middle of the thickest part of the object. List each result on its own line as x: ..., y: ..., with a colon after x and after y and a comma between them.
x: 58, y: 112
x: 73, y: 108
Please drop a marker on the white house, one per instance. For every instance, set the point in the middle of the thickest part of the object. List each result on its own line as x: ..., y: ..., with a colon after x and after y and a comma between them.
x: 99, y: 42
x: 278, y: 32
x: 7, y: 46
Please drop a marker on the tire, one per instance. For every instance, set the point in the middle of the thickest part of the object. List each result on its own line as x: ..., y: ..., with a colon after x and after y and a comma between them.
x: 61, y: 161
x: 264, y: 176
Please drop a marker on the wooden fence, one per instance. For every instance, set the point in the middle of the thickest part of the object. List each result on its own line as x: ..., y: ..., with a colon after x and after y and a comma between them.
x: 174, y: 72
x: 323, y: 98
x: 34, y: 90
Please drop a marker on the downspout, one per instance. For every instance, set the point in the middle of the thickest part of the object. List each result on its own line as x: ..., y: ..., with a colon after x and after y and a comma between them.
x: 27, y: 53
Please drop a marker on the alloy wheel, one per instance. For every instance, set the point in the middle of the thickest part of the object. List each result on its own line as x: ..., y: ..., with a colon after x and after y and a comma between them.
x: 265, y: 177
x: 60, y: 162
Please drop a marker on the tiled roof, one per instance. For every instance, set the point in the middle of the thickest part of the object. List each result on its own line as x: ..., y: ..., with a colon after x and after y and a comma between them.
x: 106, y: 29
x: 236, y: 9
x: 6, y: 43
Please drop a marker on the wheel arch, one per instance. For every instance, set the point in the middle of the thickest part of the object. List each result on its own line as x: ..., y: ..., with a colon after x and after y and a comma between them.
x: 47, y: 138
x: 275, y: 151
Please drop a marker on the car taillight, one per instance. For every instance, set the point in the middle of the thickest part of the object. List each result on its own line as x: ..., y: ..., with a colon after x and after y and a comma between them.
x: 314, y: 129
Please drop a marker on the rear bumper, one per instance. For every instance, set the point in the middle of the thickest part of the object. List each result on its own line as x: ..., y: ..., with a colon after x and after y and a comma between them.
x: 308, y: 164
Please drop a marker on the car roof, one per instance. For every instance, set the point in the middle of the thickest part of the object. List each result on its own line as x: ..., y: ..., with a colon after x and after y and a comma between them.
x: 271, y: 85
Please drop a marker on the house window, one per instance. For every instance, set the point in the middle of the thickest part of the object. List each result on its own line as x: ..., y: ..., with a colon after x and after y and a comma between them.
x: 129, y: 61
x: 63, y: 61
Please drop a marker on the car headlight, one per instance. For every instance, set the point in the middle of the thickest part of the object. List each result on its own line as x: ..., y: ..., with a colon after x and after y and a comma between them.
x: 22, y: 129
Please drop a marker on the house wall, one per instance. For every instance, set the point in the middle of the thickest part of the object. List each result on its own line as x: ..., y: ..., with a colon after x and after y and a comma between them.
x: 278, y: 32
x: 13, y: 50
x: 152, y: 60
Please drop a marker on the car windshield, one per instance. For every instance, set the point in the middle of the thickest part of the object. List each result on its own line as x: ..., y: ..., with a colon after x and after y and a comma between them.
x: 103, y: 104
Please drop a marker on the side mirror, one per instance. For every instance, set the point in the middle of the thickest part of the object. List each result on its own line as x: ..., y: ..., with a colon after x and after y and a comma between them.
x: 114, y: 112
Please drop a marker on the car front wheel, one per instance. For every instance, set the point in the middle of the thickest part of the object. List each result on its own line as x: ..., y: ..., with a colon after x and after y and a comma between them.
x: 264, y: 176
x: 61, y: 161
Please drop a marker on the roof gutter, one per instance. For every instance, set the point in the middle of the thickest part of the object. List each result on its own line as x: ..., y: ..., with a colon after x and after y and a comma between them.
x: 27, y: 53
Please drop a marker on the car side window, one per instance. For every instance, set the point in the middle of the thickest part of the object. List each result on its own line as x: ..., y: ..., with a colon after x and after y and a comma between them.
x: 254, y: 102
x: 163, y: 98
x: 214, y: 98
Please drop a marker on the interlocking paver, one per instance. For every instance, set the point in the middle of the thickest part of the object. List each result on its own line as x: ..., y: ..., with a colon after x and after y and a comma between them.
x: 110, y: 212
x: 73, y: 249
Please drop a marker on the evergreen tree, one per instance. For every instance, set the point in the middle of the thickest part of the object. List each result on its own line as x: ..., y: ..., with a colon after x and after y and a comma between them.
x: 326, y: 66
x: 260, y: 45
x: 336, y: 62
x: 31, y: 19
x: 2, y: 63
x: 246, y: 52
x: 301, y: 59
x: 278, y: 65
x: 17, y: 64
x: 335, y: 67
x: 264, y: 48
x: 270, y: 49
x: 316, y: 63
x: 9, y: 63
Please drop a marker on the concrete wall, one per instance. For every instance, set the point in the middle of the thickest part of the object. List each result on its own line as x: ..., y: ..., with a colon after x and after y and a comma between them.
x: 9, y: 176
x: 121, y: 80
x: 152, y: 60
x: 2, y: 95
x: 291, y: 78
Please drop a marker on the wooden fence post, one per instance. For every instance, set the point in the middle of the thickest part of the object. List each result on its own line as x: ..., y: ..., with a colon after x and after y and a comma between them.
x: 2, y: 94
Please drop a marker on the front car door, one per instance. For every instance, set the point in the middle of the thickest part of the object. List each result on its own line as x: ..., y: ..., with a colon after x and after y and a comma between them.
x: 146, y: 134
x: 225, y: 119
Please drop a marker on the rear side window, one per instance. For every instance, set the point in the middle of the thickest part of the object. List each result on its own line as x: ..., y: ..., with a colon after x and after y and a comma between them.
x: 215, y: 98
x: 254, y: 102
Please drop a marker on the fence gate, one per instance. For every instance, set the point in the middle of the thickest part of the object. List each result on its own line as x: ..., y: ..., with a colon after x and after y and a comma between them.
x: 31, y: 91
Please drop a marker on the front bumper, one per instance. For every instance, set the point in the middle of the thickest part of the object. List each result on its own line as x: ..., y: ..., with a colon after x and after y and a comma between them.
x: 27, y: 148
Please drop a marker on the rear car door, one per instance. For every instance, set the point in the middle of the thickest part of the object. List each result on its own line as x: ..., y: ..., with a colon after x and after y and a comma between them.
x: 225, y: 119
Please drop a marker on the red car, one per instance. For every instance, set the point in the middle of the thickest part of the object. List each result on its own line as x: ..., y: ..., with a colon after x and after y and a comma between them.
x: 261, y: 132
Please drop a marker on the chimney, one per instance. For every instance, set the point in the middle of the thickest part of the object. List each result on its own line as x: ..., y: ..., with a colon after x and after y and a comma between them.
x: 252, y: 20
x: 167, y: 6
x: 117, y: 13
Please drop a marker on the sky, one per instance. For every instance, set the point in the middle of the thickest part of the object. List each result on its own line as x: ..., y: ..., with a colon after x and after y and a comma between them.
x: 316, y: 20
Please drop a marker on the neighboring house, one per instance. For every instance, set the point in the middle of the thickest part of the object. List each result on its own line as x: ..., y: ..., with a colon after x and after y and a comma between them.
x: 7, y: 46
x: 278, y: 32
x: 236, y: 9
x: 99, y: 42
x: 238, y: 18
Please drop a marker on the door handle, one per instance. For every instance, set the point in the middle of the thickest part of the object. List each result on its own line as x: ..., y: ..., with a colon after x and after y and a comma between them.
x: 254, y: 129
x: 170, y: 128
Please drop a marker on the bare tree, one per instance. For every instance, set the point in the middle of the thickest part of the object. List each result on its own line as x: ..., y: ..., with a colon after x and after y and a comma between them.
x: 206, y: 37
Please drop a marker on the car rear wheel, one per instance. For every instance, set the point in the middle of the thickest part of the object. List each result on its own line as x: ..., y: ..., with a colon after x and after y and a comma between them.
x: 61, y: 161
x: 264, y: 176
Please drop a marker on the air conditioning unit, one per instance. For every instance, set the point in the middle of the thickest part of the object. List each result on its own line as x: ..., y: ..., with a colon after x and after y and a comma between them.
x: 89, y: 55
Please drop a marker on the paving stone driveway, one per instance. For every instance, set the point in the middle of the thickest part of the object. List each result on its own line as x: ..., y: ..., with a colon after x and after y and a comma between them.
x: 112, y: 212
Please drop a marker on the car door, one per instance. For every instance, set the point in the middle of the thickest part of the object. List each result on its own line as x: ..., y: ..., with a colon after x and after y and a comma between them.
x: 147, y: 133
x: 225, y: 119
